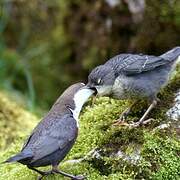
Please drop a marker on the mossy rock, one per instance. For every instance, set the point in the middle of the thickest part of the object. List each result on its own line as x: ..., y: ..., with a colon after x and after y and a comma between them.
x: 158, y: 149
x: 15, y: 122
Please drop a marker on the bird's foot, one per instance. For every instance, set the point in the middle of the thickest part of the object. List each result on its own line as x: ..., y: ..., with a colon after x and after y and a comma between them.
x: 119, y: 122
x: 43, y: 174
x: 40, y: 177
x: 78, y: 177
x: 73, y: 177
x: 134, y: 124
x: 140, y: 123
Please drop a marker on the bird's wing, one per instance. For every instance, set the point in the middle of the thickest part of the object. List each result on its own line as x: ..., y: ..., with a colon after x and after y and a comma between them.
x: 50, y: 137
x: 27, y: 141
x: 134, y: 63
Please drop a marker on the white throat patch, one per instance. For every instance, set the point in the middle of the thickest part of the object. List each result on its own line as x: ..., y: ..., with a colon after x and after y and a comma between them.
x: 80, y: 98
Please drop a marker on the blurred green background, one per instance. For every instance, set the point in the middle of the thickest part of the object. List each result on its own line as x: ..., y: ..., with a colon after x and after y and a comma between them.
x: 46, y: 45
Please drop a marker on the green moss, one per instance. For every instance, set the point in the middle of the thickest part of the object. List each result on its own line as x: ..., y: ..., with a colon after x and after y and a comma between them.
x: 159, y: 149
x: 162, y: 154
x: 15, y: 122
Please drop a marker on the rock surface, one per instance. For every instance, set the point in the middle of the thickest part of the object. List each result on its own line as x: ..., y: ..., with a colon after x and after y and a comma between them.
x: 174, y: 112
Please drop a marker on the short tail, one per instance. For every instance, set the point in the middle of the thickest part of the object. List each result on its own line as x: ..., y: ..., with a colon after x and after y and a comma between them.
x: 19, y: 157
x: 172, y: 55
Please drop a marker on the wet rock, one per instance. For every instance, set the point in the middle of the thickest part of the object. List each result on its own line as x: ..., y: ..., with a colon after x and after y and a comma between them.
x: 174, y: 112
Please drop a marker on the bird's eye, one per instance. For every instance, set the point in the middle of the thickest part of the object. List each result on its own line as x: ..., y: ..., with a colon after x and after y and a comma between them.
x: 99, y: 81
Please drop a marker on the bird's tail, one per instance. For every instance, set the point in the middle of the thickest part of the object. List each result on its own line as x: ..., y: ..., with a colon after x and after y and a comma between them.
x: 19, y: 157
x: 172, y: 55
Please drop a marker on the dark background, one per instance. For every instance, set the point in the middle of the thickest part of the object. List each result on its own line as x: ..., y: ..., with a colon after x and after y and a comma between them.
x: 47, y: 45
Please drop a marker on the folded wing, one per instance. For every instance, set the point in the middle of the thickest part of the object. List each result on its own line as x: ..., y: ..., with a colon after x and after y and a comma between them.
x: 50, y: 137
x: 130, y: 64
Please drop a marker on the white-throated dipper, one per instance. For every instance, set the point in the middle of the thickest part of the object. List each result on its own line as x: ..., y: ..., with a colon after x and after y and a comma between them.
x: 54, y: 136
x: 133, y: 76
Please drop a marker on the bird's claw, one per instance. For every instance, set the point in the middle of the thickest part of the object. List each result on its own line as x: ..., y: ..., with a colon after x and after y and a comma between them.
x: 122, y: 118
x: 139, y: 123
x: 133, y: 124
x: 120, y: 123
x: 79, y: 177
x: 45, y: 174
x: 147, y: 121
x: 39, y: 178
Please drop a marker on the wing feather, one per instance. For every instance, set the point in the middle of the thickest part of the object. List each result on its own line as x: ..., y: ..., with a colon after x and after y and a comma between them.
x: 134, y: 63
x: 48, y: 138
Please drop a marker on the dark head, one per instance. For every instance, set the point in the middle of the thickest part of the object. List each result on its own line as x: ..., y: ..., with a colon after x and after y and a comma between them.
x: 101, y: 79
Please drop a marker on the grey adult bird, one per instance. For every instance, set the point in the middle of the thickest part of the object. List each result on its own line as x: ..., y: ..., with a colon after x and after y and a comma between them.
x: 54, y: 136
x: 135, y: 77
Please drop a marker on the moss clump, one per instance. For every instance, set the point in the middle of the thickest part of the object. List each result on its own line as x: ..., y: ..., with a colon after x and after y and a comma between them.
x: 15, y: 122
x: 161, y: 154
x: 157, y: 150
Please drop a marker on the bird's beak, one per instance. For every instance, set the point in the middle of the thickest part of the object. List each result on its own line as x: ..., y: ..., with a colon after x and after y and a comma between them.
x: 89, y: 86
